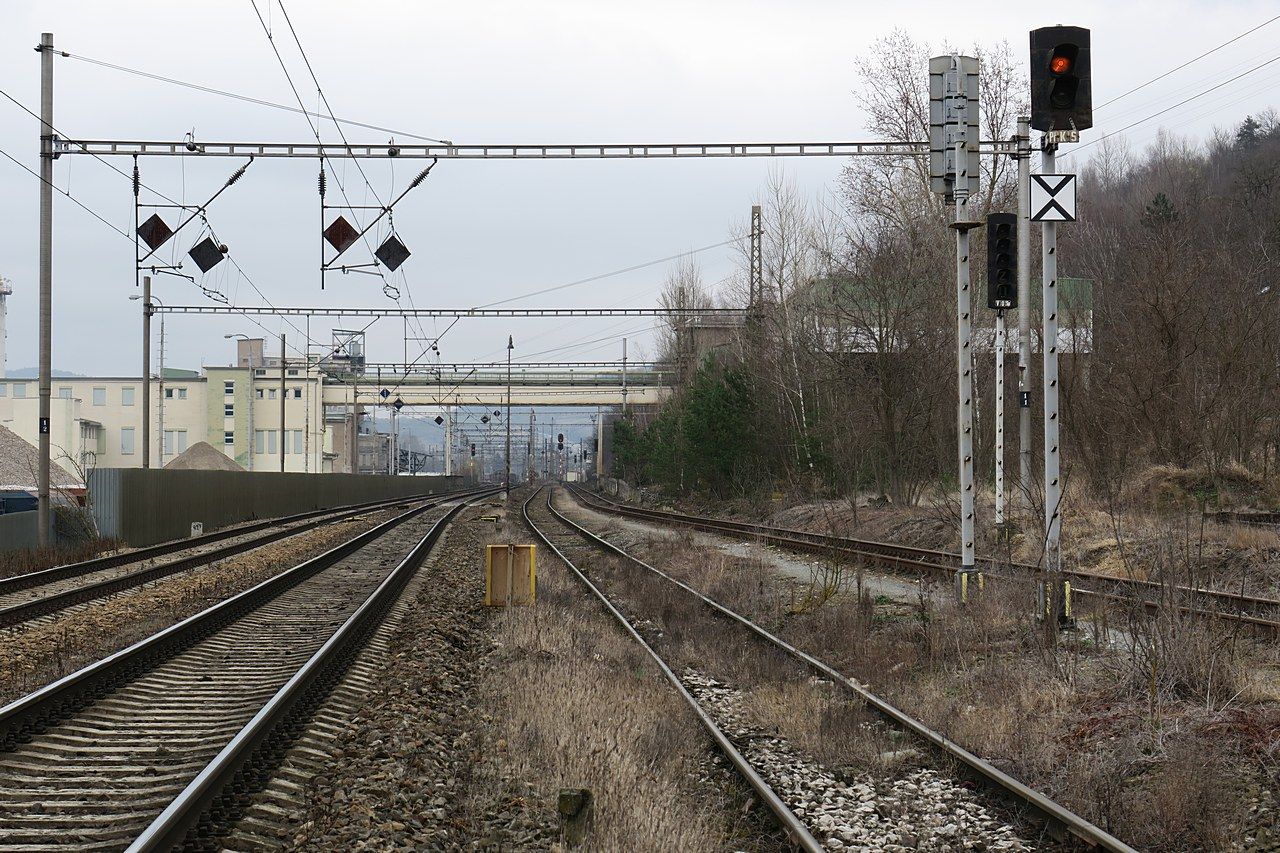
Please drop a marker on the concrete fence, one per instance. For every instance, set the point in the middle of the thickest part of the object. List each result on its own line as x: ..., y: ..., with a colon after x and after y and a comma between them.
x: 18, y: 530
x: 146, y: 506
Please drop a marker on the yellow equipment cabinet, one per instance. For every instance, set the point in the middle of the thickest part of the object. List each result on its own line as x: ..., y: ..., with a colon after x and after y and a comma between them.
x: 510, y: 575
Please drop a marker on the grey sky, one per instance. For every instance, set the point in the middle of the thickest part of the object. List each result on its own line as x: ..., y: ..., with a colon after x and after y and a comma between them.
x: 499, y: 72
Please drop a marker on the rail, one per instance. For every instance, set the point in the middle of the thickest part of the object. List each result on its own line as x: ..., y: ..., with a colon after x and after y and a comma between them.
x: 1051, y: 812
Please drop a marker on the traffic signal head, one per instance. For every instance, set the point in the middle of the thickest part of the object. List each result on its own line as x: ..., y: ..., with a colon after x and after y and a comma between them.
x: 1061, y: 91
x: 1002, y: 260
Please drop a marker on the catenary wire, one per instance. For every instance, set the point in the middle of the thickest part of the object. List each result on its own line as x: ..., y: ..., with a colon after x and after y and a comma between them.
x: 1189, y: 62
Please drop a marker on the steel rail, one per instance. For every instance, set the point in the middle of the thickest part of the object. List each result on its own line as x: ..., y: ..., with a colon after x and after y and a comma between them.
x: 943, y: 562
x: 1055, y: 815
x: 795, y: 827
x: 27, y: 610
x: 17, y: 583
x: 31, y: 713
x: 262, y: 740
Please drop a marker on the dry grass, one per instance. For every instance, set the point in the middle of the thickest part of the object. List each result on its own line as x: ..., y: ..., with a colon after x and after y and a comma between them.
x: 34, y: 559
x: 576, y: 704
x: 1162, y: 729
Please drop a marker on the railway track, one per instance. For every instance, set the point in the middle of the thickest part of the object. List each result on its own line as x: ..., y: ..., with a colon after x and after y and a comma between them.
x: 157, y: 745
x: 1256, y: 612
x: 43, y: 594
x: 806, y: 816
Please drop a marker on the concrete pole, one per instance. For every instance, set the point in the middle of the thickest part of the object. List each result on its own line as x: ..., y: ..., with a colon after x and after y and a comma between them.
x: 1052, y: 462
x: 964, y: 337
x: 506, y: 488
x: 599, y: 444
x: 46, y: 280
x: 448, y: 440
x: 1000, y: 417
x: 160, y: 398
x: 1024, y: 313
x: 146, y: 372
x: 283, y: 396
x: 624, y: 377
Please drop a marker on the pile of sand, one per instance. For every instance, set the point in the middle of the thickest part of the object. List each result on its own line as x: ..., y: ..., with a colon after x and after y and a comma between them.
x: 202, y: 456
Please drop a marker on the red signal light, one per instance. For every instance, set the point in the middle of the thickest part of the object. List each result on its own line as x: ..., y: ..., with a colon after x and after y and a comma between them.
x: 1060, y: 65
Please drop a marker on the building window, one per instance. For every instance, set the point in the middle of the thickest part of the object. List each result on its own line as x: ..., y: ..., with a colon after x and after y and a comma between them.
x: 19, y: 389
x: 265, y: 441
x: 297, y: 393
x: 126, y: 440
x: 4, y: 390
x: 168, y: 393
x: 175, y: 441
x: 229, y: 410
x: 261, y: 394
x: 229, y: 437
x: 229, y: 386
x: 99, y: 396
x: 271, y: 394
x: 182, y: 393
x: 293, y: 373
x: 126, y: 396
x: 296, y: 435
x: 64, y: 393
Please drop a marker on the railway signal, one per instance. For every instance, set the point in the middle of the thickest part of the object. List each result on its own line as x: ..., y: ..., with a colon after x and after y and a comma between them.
x: 560, y: 441
x: 1061, y: 88
x: 1002, y: 273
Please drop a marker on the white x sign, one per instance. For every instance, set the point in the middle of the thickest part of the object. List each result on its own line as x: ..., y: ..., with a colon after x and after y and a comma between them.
x: 1053, y: 198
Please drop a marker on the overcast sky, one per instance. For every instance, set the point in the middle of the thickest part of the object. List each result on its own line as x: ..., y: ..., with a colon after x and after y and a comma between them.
x: 497, y: 72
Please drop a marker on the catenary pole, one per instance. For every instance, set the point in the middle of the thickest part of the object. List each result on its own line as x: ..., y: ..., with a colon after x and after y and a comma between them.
x: 1049, y: 344
x: 283, y: 397
x: 46, y: 280
x: 1024, y: 314
x: 507, y: 482
x: 146, y: 374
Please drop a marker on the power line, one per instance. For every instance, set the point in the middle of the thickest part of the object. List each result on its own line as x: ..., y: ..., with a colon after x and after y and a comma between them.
x: 1179, y: 104
x: 728, y: 242
x: 1189, y: 62
x: 246, y: 98
x: 78, y: 203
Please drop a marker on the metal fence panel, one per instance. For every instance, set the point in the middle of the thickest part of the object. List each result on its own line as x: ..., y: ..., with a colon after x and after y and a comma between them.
x: 146, y: 506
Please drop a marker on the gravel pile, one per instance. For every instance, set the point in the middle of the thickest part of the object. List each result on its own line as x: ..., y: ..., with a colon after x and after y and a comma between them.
x: 921, y: 810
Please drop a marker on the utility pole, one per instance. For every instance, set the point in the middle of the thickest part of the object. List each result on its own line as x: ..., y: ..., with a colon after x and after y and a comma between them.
x: 954, y: 84
x: 283, y: 397
x: 1024, y: 312
x: 448, y: 440
x: 1000, y: 419
x: 46, y: 279
x: 507, y: 482
x: 1049, y: 344
x: 755, y: 286
x: 146, y: 376
x: 624, y: 377
x: 160, y: 397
